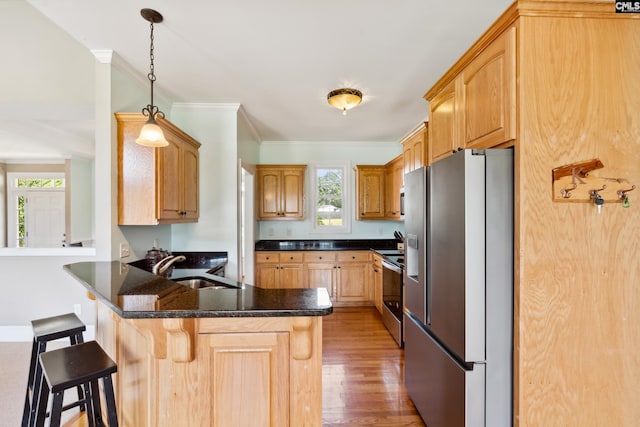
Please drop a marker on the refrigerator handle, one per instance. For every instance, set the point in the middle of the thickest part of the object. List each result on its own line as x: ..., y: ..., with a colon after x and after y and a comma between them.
x: 427, y: 282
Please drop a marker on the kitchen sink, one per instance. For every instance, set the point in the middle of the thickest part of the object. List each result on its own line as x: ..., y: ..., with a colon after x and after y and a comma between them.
x: 198, y: 282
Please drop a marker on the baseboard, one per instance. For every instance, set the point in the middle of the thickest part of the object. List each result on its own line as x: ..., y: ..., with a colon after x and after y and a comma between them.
x: 25, y: 333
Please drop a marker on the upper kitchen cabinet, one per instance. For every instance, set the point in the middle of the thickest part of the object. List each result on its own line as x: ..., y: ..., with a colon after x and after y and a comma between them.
x: 280, y: 192
x: 474, y: 106
x: 415, y: 148
x: 393, y: 182
x: 442, y: 122
x: 156, y: 185
x: 489, y: 94
x: 370, y: 191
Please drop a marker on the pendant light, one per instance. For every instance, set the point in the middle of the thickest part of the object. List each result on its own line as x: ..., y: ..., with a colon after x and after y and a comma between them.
x: 344, y: 99
x: 151, y: 134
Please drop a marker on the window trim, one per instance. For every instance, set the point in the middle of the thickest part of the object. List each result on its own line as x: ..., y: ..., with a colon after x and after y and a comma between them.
x: 346, y: 198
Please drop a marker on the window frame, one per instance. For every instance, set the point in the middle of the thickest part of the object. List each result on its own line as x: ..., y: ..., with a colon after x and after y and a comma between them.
x: 345, y: 228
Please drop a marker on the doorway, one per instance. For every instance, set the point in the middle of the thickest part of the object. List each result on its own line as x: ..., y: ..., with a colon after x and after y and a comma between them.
x: 246, y: 230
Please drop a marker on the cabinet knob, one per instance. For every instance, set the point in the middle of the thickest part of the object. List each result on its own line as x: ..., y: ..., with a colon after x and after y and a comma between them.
x: 291, y: 258
x: 319, y: 257
x: 353, y: 257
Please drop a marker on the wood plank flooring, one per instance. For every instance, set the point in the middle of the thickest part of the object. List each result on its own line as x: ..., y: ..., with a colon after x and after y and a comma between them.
x: 363, y: 372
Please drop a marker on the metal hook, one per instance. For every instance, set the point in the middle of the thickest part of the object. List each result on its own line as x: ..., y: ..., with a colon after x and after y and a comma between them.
x: 566, y: 192
x: 595, y: 193
x: 622, y: 194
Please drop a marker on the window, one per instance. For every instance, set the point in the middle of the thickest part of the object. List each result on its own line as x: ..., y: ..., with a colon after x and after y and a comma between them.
x: 37, y: 209
x: 330, y: 207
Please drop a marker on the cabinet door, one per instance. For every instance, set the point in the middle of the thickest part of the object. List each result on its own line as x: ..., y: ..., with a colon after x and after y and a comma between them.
x: 442, y: 124
x: 352, y: 283
x: 290, y: 276
x: 370, y: 192
x: 169, y: 181
x: 489, y: 86
x: 190, y: 186
x: 321, y: 275
x: 249, y: 372
x: 394, y: 178
x: 269, y: 193
x: 292, y: 198
x: 267, y: 275
x: 377, y: 282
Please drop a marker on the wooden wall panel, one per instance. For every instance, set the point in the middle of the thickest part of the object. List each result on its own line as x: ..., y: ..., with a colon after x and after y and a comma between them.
x: 578, y: 272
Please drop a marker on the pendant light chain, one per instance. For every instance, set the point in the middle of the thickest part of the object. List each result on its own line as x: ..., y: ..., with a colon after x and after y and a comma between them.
x: 151, y: 109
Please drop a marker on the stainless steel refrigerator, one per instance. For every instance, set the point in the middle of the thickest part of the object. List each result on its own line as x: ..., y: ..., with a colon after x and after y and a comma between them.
x: 459, y: 289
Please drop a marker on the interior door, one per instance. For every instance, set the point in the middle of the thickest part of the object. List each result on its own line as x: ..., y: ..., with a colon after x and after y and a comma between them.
x: 44, y: 219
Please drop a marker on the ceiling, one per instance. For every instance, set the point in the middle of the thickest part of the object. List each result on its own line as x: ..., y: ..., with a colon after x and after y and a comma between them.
x: 278, y: 59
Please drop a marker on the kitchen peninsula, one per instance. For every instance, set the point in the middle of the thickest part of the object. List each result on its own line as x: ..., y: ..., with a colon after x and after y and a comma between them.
x: 226, y: 355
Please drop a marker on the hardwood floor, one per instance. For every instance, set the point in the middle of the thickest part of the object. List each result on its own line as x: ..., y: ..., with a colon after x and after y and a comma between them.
x: 362, y: 372
x: 362, y: 375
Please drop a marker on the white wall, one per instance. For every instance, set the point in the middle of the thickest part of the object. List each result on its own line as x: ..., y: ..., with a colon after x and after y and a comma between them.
x: 215, y: 126
x: 354, y: 153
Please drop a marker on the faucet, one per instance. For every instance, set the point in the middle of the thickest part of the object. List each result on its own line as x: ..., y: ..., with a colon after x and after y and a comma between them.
x: 163, y: 265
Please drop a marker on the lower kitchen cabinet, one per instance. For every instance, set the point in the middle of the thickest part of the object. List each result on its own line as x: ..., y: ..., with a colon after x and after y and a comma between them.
x: 376, y: 281
x: 279, y: 270
x: 345, y: 274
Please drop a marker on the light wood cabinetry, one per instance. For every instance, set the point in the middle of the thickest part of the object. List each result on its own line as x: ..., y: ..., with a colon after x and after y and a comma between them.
x: 215, y: 372
x: 279, y: 270
x: 280, y: 192
x: 415, y: 148
x: 345, y: 274
x: 488, y: 88
x: 376, y: 281
x: 394, y: 180
x: 572, y: 358
x: 352, y: 277
x: 370, y: 181
x: 156, y: 185
x: 442, y: 123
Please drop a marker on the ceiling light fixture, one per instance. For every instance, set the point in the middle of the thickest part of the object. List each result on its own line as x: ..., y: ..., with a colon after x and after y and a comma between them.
x: 151, y: 134
x: 344, y: 99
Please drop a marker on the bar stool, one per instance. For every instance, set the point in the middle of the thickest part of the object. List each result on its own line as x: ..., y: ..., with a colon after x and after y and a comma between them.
x: 45, y: 330
x: 71, y: 367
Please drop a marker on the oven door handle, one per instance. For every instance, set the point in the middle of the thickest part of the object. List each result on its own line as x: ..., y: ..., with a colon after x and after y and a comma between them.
x: 392, y: 267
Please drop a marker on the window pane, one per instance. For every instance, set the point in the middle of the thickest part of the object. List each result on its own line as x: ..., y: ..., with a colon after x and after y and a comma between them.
x: 330, y: 191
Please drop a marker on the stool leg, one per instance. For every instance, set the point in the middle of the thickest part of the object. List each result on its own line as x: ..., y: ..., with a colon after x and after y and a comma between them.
x: 112, y: 414
x: 56, y: 409
x: 77, y: 339
x: 37, y: 385
x: 26, y: 413
x: 95, y: 398
x: 41, y: 411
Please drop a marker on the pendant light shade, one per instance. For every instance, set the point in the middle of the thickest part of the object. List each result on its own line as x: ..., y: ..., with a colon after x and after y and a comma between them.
x: 344, y: 99
x: 151, y: 134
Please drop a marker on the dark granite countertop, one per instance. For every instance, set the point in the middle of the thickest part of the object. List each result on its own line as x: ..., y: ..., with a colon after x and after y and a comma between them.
x: 325, y: 245
x: 134, y: 293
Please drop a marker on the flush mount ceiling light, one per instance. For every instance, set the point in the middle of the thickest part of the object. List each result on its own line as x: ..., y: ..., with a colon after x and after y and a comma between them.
x: 151, y: 134
x: 344, y: 99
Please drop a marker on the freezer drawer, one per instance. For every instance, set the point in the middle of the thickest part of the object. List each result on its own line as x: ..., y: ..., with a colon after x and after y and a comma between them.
x: 445, y: 394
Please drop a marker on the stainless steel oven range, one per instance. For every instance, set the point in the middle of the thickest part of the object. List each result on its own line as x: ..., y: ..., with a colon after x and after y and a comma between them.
x: 392, y: 298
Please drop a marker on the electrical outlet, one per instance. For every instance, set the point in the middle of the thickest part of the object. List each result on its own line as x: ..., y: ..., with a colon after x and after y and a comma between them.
x: 125, y: 251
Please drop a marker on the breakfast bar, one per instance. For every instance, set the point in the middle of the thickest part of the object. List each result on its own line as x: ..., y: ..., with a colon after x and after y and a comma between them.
x: 201, y: 350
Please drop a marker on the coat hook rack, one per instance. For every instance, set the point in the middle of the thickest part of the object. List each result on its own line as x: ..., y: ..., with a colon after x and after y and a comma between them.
x: 577, y: 183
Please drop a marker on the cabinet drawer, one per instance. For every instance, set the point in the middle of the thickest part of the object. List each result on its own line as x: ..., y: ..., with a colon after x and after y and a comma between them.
x: 319, y: 257
x: 266, y: 257
x: 290, y: 257
x: 353, y: 256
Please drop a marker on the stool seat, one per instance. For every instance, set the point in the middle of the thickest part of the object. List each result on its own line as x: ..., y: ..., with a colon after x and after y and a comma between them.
x: 71, y: 367
x: 53, y: 328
